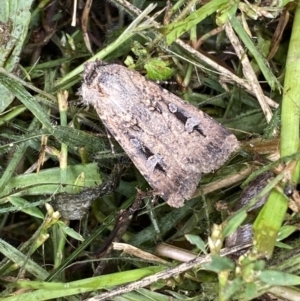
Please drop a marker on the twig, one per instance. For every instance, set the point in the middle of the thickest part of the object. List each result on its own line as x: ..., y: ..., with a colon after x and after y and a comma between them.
x: 168, y: 273
x: 248, y: 71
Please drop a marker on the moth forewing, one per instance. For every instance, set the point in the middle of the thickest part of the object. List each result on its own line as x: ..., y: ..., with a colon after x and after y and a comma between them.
x: 169, y: 140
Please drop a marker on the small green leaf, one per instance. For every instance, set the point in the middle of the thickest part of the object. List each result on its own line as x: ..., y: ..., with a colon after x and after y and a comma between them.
x: 129, y: 62
x: 197, y: 241
x: 139, y: 50
x: 69, y: 231
x: 21, y: 205
x: 157, y: 69
x: 219, y: 264
x: 285, y: 231
x: 232, y: 287
x: 250, y: 291
x: 273, y: 277
x: 283, y: 245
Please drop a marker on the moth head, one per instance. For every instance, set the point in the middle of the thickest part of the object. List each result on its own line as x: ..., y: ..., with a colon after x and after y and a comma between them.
x: 90, y: 90
x: 91, y: 71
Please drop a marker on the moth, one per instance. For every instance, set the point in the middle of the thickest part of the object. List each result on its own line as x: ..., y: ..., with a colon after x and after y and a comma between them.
x: 170, y: 141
